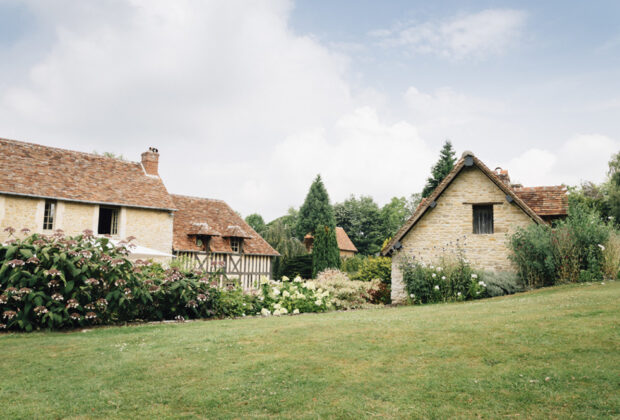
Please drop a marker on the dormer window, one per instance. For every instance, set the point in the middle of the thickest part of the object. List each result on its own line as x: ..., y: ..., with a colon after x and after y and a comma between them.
x: 235, y: 245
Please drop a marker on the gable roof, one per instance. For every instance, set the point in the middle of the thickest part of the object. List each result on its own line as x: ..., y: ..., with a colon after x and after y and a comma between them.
x: 220, y: 222
x: 545, y: 201
x: 34, y: 170
x: 466, y: 160
x: 344, y: 242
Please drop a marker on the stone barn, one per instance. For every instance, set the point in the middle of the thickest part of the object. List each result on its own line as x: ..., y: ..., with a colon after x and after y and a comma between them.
x: 475, y: 209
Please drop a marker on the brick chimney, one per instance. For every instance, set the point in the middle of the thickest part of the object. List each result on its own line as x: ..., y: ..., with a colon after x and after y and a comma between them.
x: 150, y: 161
x: 502, y: 174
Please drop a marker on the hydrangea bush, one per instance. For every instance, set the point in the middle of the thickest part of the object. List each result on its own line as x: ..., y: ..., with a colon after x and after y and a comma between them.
x: 350, y: 294
x: 56, y: 282
x: 286, y: 296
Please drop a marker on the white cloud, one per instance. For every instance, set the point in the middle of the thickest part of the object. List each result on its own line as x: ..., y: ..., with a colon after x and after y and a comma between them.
x: 477, y: 35
x: 583, y: 157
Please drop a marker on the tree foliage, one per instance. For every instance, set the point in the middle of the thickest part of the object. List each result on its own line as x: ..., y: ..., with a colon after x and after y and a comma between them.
x: 442, y: 168
x: 256, y: 222
x: 325, y: 252
x: 316, y: 210
x: 361, y: 219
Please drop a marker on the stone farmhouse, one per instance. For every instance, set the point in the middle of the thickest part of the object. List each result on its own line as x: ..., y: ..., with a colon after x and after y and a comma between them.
x: 45, y: 188
x: 473, y: 210
x: 345, y: 245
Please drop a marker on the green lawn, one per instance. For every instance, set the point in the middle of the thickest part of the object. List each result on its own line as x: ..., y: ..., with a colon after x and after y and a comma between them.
x: 552, y: 353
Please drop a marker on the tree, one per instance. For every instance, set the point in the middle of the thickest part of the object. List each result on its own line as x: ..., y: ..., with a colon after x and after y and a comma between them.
x: 316, y: 210
x: 325, y: 252
x: 395, y: 213
x: 280, y: 234
x: 614, y: 188
x: 361, y: 219
x: 441, y: 169
x: 256, y: 222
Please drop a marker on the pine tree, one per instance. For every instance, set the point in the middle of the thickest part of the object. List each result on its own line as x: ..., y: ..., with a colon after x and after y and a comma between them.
x: 441, y: 169
x: 315, y: 211
x: 325, y: 252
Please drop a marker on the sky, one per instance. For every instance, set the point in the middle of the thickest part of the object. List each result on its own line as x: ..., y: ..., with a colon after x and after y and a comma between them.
x: 247, y: 101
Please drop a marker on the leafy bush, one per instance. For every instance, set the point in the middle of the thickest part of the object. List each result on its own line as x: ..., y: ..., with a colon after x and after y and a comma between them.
x: 446, y: 281
x: 570, y: 252
x: 296, y: 296
x: 296, y: 266
x: 351, y: 265
x: 350, y: 294
x: 499, y: 283
x: 611, y: 256
x: 57, y: 282
x: 375, y: 268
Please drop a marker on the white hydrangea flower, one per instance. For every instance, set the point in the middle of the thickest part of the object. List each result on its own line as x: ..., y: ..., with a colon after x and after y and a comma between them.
x: 277, y: 312
x: 276, y: 291
x: 265, y: 312
x: 443, y: 277
x: 263, y: 280
x: 458, y: 294
x: 284, y: 278
x: 297, y: 279
x: 474, y: 276
x: 318, y: 302
x: 296, y: 311
x: 412, y: 296
x: 285, y: 294
x: 436, y: 287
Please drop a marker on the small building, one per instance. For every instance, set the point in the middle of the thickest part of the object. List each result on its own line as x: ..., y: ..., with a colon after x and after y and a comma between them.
x: 473, y: 210
x: 345, y: 245
x: 211, y: 236
x: 45, y: 188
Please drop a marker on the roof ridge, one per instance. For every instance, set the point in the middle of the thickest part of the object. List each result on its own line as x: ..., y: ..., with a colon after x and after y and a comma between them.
x: 61, y: 149
x: 198, y: 198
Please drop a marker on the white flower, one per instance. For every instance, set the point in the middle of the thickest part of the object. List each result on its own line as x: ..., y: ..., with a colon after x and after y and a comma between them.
x: 284, y: 311
x: 265, y: 312
x: 474, y: 276
x: 296, y: 311
x: 297, y: 279
x: 285, y: 294
x: 438, y: 268
x: 443, y: 277
x: 431, y: 267
x: 276, y: 291
x: 458, y: 294
x: 481, y: 283
x: 434, y: 275
x: 277, y: 312
x: 318, y: 302
x: 263, y: 280
x: 284, y: 278
x: 412, y: 296
x: 436, y: 287
x: 602, y: 247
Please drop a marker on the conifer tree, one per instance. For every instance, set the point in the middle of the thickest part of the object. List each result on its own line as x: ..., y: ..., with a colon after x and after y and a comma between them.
x: 316, y: 210
x: 441, y: 169
x: 325, y: 252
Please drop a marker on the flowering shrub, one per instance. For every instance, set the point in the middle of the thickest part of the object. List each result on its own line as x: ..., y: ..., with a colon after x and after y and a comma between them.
x: 442, y: 282
x: 56, y: 281
x: 286, y: 296
x: 349, y: 294
x: 375, y: 268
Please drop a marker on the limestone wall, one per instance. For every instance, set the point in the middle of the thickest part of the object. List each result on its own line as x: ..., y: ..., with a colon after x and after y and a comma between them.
x: 436, y: 233
x: 152, y: 228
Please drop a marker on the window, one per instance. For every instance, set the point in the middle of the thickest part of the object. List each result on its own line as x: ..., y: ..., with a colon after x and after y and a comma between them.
x: 49, y: 215
x: 108, y: 221
x: 483, y: 218
x: 203, y: 242
x: 235, y: 245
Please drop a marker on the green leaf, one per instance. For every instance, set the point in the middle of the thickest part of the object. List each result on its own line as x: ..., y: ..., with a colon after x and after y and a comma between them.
x: 69, y: 286
x: 26, y: 253
x: 10, y: 251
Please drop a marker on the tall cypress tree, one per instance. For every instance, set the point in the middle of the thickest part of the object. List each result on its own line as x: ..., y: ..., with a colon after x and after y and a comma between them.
x: 325, y: 252
x: 442, y: 168
x: 316, y: 210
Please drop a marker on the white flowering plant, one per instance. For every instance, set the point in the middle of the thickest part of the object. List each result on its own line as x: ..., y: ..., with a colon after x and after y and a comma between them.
x: 288, y: 297
x: 448, y: 279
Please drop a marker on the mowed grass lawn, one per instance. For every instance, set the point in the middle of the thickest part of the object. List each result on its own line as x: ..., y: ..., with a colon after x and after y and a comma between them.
x: 551, y: 353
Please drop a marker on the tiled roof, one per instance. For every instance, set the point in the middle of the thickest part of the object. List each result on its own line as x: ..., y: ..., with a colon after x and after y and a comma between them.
x: 218, y: 216
x: 235, y: 231
x: 41, y: 171
x: 545, y: 201
x: 417, y: 215
x: 344, y: 242
x: 202, y: 229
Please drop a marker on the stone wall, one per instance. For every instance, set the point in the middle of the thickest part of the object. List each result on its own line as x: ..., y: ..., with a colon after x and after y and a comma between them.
x: 436, y: 233
x: 152, y: 228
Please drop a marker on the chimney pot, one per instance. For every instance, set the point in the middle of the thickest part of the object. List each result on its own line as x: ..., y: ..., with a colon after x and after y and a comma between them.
x: 150, y: 161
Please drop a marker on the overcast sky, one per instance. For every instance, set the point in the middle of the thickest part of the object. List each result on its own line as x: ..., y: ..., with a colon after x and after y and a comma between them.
x: 247, y: 100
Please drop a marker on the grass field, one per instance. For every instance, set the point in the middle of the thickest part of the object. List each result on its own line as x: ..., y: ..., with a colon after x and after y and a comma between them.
x: 551, y: 353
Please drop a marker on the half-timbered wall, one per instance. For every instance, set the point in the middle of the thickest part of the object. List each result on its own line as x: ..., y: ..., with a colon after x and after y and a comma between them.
x: 246, y: 268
